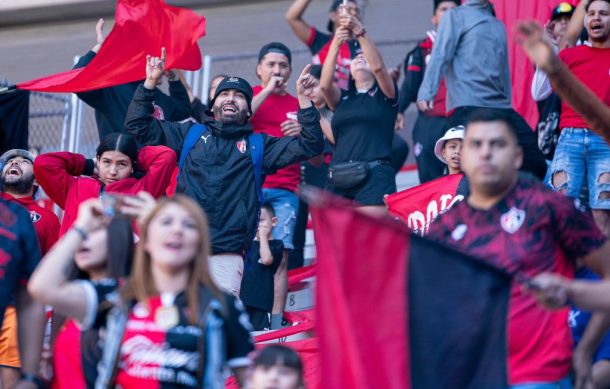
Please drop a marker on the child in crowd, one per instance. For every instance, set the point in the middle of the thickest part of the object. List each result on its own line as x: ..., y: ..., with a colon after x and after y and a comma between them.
x: 277, y: 367
x: 257, y: 282
x: 448, y: 148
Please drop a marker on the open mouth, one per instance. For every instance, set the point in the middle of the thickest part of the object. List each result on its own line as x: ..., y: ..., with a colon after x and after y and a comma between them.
x: 232, y: 108
x: 596, y: 27
x: 173, y: 245
x: 14, y: 171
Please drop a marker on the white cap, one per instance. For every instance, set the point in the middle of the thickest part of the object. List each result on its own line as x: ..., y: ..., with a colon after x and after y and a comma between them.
x: 456, y: 132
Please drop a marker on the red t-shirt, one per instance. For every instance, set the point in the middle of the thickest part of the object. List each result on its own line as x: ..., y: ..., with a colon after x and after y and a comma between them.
x: 592, y: 67
x: 45, y: 222
x: 532, y: 230
x: 271, y: 114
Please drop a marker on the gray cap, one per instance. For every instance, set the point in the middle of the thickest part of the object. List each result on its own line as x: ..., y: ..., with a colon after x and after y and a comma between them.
x: 17, y: 153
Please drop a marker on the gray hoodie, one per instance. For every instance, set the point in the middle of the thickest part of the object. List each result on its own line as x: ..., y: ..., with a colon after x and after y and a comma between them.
x: 471, y: 52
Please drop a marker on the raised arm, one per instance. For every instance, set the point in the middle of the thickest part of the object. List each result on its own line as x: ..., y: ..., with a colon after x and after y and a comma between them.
x: 159, y: 163
x: 332, y: 94
x: 57, y: 173
x: 139, y: 121
x: 281, y: 152
x: 49, y: 284
x: 294, y: 16
x: 595, y: 112
x: 372, y: 55
x: 574, y: 27
x: 443, y: 51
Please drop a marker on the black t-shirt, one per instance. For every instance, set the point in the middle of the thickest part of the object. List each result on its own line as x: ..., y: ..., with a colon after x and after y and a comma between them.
x: 363, y: 126
x: 257, y: 282
x: 19, y: 251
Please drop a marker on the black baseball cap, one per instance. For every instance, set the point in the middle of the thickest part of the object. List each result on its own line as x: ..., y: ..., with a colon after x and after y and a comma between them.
x: 562, y: 9
x: 238, y: 84
x: 275, y: 47
x: 438, y: 2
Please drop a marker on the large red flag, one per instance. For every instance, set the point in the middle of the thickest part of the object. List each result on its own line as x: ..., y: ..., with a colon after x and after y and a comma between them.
x: 396, y: 311
x: 142, y: 27
x: 522, y: 70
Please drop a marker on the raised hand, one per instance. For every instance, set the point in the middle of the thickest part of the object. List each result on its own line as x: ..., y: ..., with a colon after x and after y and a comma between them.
x: 350, y: 22
x: 99, y: 35
x: 536, y: 44
x: 341, y: 36
x: 306, y: 82
x: 155, y: 67
x: 139, y: 206
x: 91, y: 216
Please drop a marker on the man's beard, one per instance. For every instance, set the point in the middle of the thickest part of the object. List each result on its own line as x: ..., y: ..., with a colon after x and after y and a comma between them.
x: 21, y: 186
x: 239, y: 118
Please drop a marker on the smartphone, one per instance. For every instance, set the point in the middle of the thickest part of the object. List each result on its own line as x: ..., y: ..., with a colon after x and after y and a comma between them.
x: 111, y: 204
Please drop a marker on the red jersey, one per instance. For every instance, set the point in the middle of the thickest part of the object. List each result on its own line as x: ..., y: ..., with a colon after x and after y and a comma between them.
x: 60, y: 175
x: 592, y: 67
x: 532, y: 230
x: 268, y: 118
x: 45, y: 222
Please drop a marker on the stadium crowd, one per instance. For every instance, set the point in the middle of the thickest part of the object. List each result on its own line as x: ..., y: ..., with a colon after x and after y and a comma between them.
x: 175, y: 238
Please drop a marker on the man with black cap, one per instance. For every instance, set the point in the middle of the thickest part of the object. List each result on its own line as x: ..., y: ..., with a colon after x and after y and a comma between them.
x: 218, y: 171
x: 19, y: 256
x: 319, y: 42
x: 431, y: 125
x: 274, y: 113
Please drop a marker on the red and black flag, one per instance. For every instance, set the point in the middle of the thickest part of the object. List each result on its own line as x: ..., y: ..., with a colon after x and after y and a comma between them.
x: 142, y: 27
x: 397, y: 311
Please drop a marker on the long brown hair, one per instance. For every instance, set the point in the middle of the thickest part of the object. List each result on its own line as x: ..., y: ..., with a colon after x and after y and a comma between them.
x: 141, y: 285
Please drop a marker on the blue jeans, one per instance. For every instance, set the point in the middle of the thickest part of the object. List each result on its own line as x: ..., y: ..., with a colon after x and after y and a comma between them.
x: 581, y: 153
x: 565, y: 383
x: 286, y: 205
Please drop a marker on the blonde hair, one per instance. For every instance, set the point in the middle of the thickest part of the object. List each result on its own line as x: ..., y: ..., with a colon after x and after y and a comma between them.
x: 141, y: 286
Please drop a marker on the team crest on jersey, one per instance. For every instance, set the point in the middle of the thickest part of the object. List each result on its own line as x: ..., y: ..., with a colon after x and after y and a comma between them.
x: 241, y: 146
x: 35, y: 216
x: 512, y: 220
x: 459, y: 232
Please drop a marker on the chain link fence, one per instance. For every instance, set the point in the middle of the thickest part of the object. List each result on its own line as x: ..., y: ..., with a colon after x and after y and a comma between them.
x: 63, y: 122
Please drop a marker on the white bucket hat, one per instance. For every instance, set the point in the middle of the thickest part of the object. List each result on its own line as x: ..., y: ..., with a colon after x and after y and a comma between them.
x: 456, y: 132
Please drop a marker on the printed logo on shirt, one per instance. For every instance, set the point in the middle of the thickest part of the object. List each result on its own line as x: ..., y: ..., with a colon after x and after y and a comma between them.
x: 459, y: 232
x: 205, y: 138
x: 417, y: 149
x: 140, y: 311
x: 512, y: 220
x: 241, y: 146
x: 35, y: 216
x: 158, y: 112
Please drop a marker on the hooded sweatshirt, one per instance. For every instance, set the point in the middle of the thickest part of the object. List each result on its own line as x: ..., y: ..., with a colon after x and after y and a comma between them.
x: 471, y: 52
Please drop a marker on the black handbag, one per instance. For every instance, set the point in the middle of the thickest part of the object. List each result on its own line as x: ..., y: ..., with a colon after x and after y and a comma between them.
x: 348, y: 174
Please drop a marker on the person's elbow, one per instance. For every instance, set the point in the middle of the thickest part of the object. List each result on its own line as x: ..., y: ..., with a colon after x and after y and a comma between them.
x: 38, y: 290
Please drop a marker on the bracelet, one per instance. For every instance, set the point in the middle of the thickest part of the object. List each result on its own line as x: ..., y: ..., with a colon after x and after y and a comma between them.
x: 32, y: 378
x: 361, y: 33
x: 83, y: 234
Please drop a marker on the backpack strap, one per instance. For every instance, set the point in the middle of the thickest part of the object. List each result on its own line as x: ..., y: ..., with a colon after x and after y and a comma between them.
x: 193, y: 134
x: 256, y: 152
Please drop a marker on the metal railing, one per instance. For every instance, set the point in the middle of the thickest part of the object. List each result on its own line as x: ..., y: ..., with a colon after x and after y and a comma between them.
x: 51, y: 112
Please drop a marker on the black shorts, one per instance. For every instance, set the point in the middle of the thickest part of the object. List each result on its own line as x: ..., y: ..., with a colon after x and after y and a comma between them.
x: 381, y: 181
